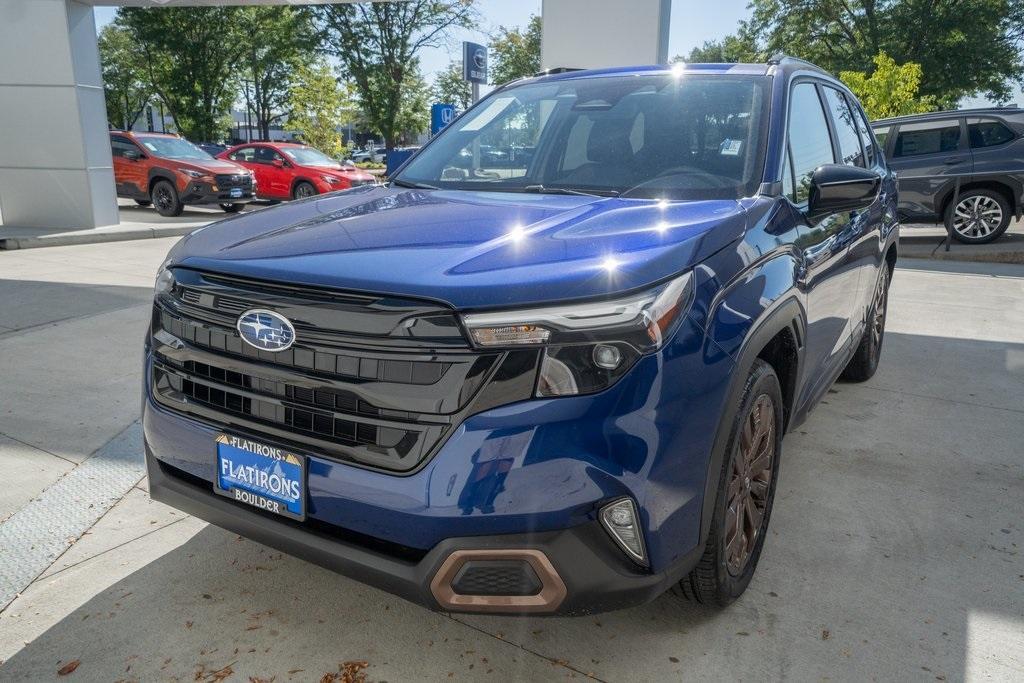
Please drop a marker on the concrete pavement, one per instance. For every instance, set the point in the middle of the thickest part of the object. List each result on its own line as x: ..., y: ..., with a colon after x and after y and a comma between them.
x: 894, y: 548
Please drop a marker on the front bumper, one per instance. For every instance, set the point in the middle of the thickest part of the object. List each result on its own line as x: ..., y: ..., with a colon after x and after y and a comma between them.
x: 596, y: 577
x: 197, y: 192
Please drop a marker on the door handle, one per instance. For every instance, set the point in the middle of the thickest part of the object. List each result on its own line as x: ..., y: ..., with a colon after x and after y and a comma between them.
x: 949, y: 161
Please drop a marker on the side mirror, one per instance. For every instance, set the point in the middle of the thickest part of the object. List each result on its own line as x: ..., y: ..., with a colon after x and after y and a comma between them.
x: 836, y: 188
x: 278, y: 163
x: 132, y: 155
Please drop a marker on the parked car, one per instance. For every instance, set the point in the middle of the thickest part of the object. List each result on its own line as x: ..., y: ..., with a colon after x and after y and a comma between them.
x: 376, y: 155
x: 169, y: 172
x: 982, y: 148
x: 558, y: 390
x: 286, y: 170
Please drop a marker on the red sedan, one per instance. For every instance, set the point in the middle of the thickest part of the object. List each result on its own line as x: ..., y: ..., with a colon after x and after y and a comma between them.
x: 285, y: 170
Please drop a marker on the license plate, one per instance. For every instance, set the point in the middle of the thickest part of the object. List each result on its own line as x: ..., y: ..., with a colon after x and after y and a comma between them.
x: 236, y: 192
x: 261, y: 475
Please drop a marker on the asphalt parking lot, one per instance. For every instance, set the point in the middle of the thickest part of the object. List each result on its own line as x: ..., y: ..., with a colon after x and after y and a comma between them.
x: 894, y: 550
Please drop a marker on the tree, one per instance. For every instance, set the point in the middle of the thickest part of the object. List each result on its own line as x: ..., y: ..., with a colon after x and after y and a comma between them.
x: 414, y: 112
x: 964, y: 47
x: 377, y: 45
x: 277, y: 42
x: 451, y: 88
x: 729, y: 50
x: 124, y: 85
x: 891, y: 90
x: 516, y: 54
x: 318, y: 105
x: 192, y: 55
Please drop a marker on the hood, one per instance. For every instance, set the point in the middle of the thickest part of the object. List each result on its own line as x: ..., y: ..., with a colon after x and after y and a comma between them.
x: 211, y: 165
x: 340, y: 171
x: 472, y: 250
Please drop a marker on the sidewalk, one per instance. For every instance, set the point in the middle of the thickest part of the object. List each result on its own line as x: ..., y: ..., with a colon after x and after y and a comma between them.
x: 137, y: 223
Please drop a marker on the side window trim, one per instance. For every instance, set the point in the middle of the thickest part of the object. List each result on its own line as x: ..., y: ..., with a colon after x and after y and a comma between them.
x: 837, y: 153
x: 859, y: 118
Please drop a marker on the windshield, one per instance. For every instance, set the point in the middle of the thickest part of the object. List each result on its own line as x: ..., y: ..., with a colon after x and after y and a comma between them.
x: 307, y: 156
x: 663, y: 136
x: 172, y: 148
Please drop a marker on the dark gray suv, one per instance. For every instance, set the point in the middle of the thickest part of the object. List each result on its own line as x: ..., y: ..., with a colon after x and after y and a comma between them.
x: 984, y: 148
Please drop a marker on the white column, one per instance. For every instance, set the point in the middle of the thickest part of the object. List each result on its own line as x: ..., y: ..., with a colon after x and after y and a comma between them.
x: 55, y: 164
x: 593, y: 34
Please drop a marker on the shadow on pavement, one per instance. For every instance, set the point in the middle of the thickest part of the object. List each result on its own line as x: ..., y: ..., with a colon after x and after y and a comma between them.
x: 894, y: 552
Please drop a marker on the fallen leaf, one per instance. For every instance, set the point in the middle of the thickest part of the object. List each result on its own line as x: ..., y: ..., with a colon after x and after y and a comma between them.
x: 69, y: 667
x: 674, y: 660
x: 825, y: 634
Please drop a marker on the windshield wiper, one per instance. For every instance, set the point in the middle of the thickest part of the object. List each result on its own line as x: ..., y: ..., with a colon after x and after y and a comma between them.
x: 540, y: 189
x: 414, y: 186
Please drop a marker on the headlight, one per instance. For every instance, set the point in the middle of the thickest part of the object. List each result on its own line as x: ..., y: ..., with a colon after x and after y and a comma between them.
x: 331, y: 179
x: 164, y: 281
x: 588, y: 347
x: 192, y: 174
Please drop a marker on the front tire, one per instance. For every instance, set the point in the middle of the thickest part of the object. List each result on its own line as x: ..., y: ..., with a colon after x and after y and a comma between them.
x: 864, y: 363
x: 303, y: 190
x: 746, y: 491
x: 143, y: 202
x: 978, y: 217
x: 165, y: 198
x: 232, y: 208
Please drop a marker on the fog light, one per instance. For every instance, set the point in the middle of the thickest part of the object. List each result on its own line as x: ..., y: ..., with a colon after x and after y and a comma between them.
x: 607, y: 357
x: 620, y: 519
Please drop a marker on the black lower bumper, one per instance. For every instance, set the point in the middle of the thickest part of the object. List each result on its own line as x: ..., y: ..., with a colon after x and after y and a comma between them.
x: 203, y: 193
x: 597, y: 577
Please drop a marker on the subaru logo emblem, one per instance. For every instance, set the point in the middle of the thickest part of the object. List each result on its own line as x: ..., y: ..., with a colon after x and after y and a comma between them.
x: 266, y: 330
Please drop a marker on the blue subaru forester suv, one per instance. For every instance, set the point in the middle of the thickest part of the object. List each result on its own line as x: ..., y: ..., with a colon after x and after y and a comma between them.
x: 548, y: 367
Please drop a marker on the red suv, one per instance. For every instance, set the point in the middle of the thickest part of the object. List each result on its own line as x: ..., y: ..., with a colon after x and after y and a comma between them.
x: 285, y: 170
x: 170, y: 172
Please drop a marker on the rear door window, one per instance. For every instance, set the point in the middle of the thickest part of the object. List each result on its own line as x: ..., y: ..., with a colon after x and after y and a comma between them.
x: 245, y: 154
x: 864, y: 129
x: 931, y: 137
x: 846, y: 128
x: 987, y: 133
x: 809, y: 142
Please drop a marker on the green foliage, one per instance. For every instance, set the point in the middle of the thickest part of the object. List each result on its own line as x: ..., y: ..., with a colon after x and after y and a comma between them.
x: 964, y: 47
x: 728, y: 50
x: 891, y: 90
x: 414, y: 111
x: 124, y: 85
x: 516, y: 54
x: 277, y: 41
x: 318, y: 106
x: 377, y: 46
x: 190, y: 56
x: 450, y: 88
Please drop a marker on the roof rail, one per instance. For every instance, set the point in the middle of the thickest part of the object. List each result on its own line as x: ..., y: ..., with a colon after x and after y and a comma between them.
x: 779, y: 57
x: 557, y: 70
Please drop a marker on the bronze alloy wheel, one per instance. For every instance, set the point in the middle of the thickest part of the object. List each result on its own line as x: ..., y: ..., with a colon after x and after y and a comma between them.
x: 750, y: 480
x: 878, y: 309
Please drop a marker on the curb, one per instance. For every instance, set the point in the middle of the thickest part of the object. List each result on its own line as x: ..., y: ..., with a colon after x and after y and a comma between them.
x: 85, y: 237
x: 926, y: 249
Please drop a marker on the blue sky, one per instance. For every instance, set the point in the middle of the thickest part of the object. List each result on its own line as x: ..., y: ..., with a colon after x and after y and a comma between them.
x: 692, y: 22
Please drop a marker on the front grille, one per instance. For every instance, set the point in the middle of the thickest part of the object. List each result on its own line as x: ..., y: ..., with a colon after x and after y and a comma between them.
x: 229, y: 180
x: 371, y: 380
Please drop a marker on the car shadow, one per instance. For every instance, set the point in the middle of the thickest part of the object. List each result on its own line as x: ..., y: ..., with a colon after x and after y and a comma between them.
x: 893, y: 552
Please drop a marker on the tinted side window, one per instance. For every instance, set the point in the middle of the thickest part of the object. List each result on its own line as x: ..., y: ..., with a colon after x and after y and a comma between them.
x: 865, y: 135
x: 244, y: 154
x: 932, y: 137
x: 119, y: 145
x: 882, y: 134
x: 846, y: 129
x: 809, y: 141
x: 987, y: 133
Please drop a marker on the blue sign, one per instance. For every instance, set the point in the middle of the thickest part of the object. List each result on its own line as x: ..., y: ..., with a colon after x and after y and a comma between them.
x: 261, y: 475
x: 440, y: 116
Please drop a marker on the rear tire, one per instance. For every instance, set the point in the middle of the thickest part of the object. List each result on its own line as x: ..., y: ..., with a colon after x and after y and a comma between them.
x: 979, y: 216
x: 304, y: 190
x: 864, y: 363
x: 232, y: 208
x: 746, y: 491
x: 165, y: 198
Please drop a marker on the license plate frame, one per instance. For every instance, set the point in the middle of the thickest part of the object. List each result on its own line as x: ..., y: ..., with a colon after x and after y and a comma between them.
x: 261, y: 475
x: 235, y: 193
